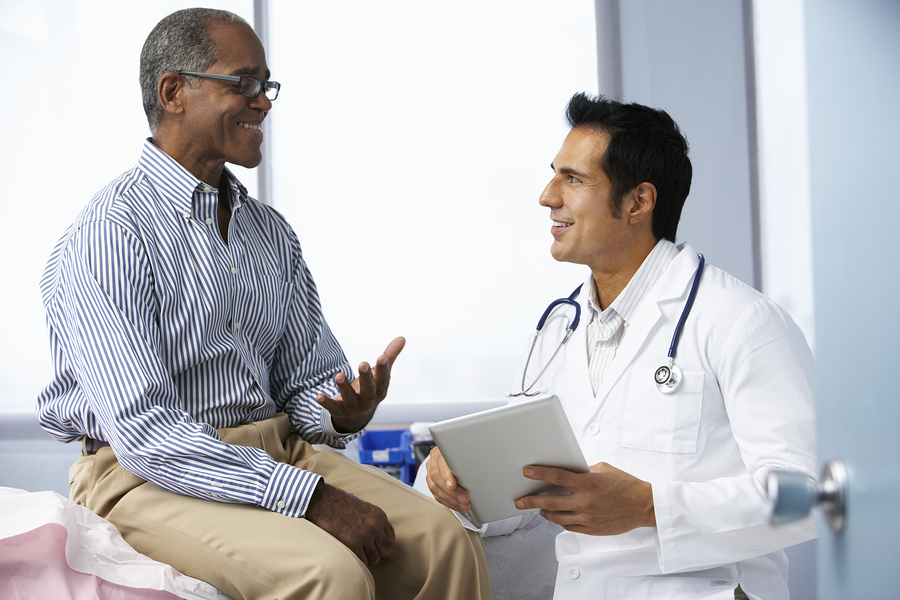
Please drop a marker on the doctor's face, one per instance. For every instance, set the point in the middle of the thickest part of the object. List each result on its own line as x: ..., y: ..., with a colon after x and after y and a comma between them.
x: 579, y: 197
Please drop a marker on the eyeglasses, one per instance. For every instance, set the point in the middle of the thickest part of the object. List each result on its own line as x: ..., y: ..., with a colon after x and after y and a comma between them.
x: 248, y: 86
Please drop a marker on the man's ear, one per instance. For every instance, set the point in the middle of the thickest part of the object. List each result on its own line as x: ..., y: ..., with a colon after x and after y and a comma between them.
x: 170, y: 89
x: 641, y: 201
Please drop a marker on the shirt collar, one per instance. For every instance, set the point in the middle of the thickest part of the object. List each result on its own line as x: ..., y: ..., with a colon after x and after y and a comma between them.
x: 179, y: 186
x: 648, y: 274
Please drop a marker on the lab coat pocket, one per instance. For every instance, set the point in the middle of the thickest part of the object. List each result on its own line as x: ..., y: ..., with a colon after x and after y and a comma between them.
x: 693, y: 588
x: 661, y: 422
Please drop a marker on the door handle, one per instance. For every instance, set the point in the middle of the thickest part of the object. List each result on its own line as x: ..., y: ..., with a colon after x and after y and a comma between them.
x: 792, y: 495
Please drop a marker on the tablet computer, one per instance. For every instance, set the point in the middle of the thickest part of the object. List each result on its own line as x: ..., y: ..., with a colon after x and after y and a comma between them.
x: 488, y: 450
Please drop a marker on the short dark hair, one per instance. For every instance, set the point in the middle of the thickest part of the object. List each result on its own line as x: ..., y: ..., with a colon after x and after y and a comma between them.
x: 645, y: 144
x: 180, y: 42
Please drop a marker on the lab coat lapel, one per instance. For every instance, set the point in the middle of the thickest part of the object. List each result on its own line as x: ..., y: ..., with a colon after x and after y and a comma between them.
x: 674, y: 283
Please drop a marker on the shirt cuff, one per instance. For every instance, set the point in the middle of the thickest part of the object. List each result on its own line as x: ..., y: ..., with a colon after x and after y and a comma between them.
x: 289, y: 491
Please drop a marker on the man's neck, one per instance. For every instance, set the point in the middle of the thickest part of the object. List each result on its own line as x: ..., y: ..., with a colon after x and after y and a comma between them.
x: 210, y: 174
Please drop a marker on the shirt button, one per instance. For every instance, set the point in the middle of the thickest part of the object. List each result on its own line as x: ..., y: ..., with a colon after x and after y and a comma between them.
x: 186, y: 215
x: 573, y: 573
x: 234, y: 270
x: 237, y: 325
x: 607, y: 343
x: 209, y: 220
x: 280, y: 504
x: 594, y: 429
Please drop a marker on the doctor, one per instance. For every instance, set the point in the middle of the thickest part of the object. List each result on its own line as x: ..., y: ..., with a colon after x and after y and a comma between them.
x: 675, y: 503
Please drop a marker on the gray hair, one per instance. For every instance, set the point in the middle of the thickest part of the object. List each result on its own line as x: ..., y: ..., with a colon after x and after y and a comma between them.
x: 180, y: 42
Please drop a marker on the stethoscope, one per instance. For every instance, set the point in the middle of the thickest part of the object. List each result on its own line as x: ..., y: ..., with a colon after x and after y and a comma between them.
x: 667, y: 377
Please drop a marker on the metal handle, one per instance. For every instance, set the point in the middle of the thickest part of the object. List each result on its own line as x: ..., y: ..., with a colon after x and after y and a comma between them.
x: 793, y: 495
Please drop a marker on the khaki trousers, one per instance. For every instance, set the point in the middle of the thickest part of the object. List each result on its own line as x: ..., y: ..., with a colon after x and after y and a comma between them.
x: 252, y: 553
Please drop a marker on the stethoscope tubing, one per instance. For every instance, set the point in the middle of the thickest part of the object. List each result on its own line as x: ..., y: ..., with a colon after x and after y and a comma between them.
x: 687, y: 309
x: 570, y: 328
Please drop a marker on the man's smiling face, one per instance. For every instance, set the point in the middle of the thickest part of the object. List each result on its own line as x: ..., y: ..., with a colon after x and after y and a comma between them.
x: 222, y: 125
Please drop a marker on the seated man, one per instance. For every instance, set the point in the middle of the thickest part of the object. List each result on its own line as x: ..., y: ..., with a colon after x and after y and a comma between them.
x: 675, y: 502
x: 191, y: 355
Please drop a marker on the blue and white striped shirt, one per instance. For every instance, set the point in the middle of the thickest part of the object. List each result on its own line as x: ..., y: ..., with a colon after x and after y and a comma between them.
x: 161, y: 333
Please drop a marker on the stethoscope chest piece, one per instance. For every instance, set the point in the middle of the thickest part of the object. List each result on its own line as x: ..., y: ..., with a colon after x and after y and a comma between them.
x: 667, y: 378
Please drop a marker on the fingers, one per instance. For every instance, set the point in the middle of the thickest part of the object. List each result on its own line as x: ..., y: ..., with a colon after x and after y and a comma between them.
x: 393, y: 350
x: 379, y: 547
x: 383, y: 545
x: 368, y: 555
x: 442, y: 484
x: 441, y: 470
x: 367, y: 385
x: 357, y: 400
x: 382, y: 371
x: 346, y: 398
x: 552, y: 475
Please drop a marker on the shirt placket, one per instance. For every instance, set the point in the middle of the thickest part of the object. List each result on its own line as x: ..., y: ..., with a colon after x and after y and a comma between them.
x: 224, y: 254
x: 603, y: 341
x: 238, y: 285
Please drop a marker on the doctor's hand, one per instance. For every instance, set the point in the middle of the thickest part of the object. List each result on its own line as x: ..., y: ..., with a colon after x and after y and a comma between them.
x: 606, y: 501
x: 442, y: 484
x: 355, y: 405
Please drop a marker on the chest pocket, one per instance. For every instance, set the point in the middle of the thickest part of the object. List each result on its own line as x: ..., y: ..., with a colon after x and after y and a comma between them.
x: 661, y: 422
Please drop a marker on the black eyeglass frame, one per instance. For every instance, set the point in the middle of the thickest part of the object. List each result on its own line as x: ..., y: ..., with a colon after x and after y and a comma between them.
x: 257, y: 84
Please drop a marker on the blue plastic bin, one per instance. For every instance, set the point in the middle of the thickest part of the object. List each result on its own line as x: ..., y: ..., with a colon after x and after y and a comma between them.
x: 390, y: 450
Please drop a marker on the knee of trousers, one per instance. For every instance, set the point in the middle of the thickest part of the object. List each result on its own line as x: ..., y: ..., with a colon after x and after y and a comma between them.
x: 327, y: 578
x: 451, y: 541
x: 330, y: 579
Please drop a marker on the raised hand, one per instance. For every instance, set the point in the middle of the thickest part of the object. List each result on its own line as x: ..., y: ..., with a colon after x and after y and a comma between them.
x: 355, y: 406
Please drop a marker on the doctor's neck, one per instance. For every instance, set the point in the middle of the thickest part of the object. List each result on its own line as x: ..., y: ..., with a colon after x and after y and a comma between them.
x: 608, y: 290
x: 611, y: 277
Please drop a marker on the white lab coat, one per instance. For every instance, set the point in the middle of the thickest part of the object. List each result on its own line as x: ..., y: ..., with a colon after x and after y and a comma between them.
x: 744, y: 407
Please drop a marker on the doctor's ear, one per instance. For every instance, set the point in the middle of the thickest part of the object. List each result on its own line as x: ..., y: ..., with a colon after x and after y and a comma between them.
x: 640, y: 202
